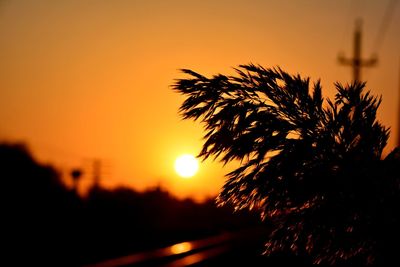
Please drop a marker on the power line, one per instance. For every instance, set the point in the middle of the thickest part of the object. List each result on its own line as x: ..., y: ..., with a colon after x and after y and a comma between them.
x: 387, y: 18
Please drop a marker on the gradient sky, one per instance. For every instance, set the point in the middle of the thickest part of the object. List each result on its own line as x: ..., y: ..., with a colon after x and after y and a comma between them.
x: 81, y: 80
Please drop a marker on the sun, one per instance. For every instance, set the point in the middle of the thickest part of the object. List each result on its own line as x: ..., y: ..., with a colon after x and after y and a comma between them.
x: 186, y: 165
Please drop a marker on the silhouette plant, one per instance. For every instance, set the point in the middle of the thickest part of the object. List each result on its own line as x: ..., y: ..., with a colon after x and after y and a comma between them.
x: 311, y: 166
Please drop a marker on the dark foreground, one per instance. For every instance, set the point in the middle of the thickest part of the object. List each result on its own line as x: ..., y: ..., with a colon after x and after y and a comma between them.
x: 242, y: 248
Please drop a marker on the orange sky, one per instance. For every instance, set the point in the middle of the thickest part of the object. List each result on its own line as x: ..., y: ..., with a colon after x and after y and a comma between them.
x: 90, y: 79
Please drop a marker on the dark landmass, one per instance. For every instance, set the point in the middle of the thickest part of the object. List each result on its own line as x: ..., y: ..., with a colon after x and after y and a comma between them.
x: 48, y: 224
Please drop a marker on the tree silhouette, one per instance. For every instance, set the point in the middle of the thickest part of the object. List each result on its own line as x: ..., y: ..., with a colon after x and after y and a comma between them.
x: 311, y: 166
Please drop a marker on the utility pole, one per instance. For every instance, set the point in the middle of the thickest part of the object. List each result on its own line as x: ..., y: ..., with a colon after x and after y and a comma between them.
x: 96, y: 173
x: 76, y: 176
x: 357, y: 62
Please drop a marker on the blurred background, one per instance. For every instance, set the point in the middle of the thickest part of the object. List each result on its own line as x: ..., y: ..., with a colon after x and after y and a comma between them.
x: 90, y: 129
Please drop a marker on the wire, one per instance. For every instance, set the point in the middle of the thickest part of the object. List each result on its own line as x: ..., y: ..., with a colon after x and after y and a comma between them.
x: 388, y: 15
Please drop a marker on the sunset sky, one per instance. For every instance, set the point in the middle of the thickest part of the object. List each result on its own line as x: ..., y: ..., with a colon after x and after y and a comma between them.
x: 83, y: 80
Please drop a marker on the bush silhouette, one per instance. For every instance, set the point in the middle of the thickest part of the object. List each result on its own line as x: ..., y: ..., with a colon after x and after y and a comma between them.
x: 311, y: 166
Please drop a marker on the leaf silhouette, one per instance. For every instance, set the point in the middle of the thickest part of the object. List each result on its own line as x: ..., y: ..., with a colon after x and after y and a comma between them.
x: 311, y: 166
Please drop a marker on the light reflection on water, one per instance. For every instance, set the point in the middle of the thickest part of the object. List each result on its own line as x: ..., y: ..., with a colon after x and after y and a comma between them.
x: 197, y: 251
x: 198, y: 257
x: 181, y: 248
